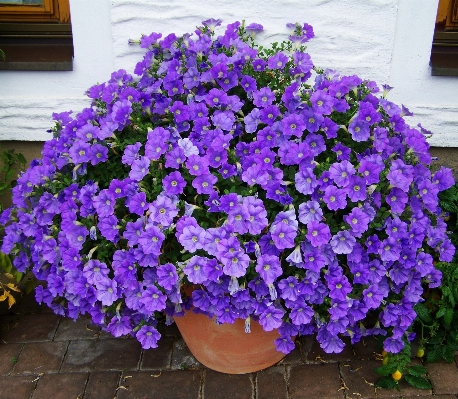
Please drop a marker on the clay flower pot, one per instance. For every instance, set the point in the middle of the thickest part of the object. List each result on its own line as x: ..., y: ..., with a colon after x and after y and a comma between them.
x: 226, y: 347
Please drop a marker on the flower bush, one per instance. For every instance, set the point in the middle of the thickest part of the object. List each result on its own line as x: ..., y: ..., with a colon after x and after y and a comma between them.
x: 280, y: 192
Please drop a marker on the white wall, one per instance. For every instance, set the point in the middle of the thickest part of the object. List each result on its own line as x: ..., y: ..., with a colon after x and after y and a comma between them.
x: 385, y: 40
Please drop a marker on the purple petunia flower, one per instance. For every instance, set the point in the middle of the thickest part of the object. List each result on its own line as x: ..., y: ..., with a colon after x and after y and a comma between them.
x: 271, y: 318
x: 148, y: 337
x: 277, y: 61
x: 269, y: 268
x: 318, y: 233
x: 283, y: 235
x: 343, y: 242
x: 335, y: 198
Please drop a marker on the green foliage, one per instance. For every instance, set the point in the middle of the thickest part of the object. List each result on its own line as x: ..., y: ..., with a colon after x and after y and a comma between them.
x: 414, y: 375
x: 10, y: 163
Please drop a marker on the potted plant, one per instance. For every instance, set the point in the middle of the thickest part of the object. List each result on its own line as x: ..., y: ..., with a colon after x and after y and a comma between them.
x: 236, y: 182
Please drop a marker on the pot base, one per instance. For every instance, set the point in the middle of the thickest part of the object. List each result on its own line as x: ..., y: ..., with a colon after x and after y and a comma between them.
x: 226, y: 347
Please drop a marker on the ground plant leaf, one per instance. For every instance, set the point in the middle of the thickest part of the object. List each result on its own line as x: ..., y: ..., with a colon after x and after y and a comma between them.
x: 418, y: 382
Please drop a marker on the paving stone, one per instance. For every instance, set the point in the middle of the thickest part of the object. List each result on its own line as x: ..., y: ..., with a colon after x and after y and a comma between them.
x: 315, y: 381
x: 61, y: 386
x: 271, y: 383
x: 444, y: 377
x: 359, y: 377
x: 102, y: 384
x: 40, y: 357
x: 367, y: 348
x: 102, y: 355
x: 182, y: 358
x: 82, y: 328
x: 8, y: 357
x: 28, y: 304
x: 227, y: 386
x: 32, y: 328
x: 170, y: 331
x: 294, y: 357
x: 16, y: 387
x: 160, y: 357
x: 163, y: 385
x: 318, y: 355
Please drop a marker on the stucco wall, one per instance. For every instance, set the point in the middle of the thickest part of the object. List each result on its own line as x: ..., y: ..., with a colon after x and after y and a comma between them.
x: 376, y: 39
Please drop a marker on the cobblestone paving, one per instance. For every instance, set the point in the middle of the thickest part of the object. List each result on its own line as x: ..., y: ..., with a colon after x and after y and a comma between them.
x: 45, y: 356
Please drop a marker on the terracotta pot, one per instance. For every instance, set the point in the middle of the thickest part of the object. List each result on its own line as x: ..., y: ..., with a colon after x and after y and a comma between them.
x: 226, y: 347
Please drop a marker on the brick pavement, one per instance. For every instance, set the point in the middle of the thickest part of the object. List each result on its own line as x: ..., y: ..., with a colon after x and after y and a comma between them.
x: 44, y: 356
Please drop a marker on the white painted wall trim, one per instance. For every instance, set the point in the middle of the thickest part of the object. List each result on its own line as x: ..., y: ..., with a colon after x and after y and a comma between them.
x: 388, y: 41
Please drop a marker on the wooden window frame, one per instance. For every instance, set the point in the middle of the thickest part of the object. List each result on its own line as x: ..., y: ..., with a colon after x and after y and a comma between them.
x: 36, y: 37
x: 444, y: 50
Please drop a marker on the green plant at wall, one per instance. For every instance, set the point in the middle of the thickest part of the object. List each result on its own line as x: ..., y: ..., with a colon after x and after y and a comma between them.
x: 436, y: 324
x: 437, y: 319
x: 10, y: 163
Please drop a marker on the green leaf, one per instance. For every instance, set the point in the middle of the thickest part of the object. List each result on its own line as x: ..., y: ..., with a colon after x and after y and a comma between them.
x: 434, y: 355
x: 21, y: 158
x: 441, y: 312
x: 449, y: 351
x: 417, y: 370
x: 386, y: 383
x: 418, y: 382
x: 448, y: 316
x: 387, y: 369
x: 423, y: 312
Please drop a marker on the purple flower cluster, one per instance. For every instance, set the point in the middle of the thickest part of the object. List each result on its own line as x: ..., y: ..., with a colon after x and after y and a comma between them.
x: 303, y: 205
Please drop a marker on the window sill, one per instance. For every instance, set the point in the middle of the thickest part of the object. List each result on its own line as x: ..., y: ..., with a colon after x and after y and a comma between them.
x: 444, y: 54
x: 36, y: 47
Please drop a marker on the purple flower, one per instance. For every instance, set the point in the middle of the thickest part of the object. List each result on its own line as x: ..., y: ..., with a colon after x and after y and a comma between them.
x: 174, y: 183
x: 310, y: 211
x: 263, y: 97
x: 277, y: 61
x: 162, y: 211
x: 151, y: 240
x: 269, y: 268
x: 322, y: 102
x: 397, y: 199
x: 197, y: 165
x: 195, y: 269
x: 293, y: 125
x: 358, y: 221
x: 283, y: 235
x: 343, y: 242
x: 305, y: 181
x: 153, y: 299
x: 328, y: 342
x: 140, y: 168
x: 359, y: 130
x: 318, y: 233
x: 167, y: 276
x: 107, y: 291
x: 148, y: 337
x: 192, y: 237
x: 119, y: 326
x: 335, y: 198
x: 341, y: 173
x: 271, y: 318
x: 204, y: 183
x: 389, y: 249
